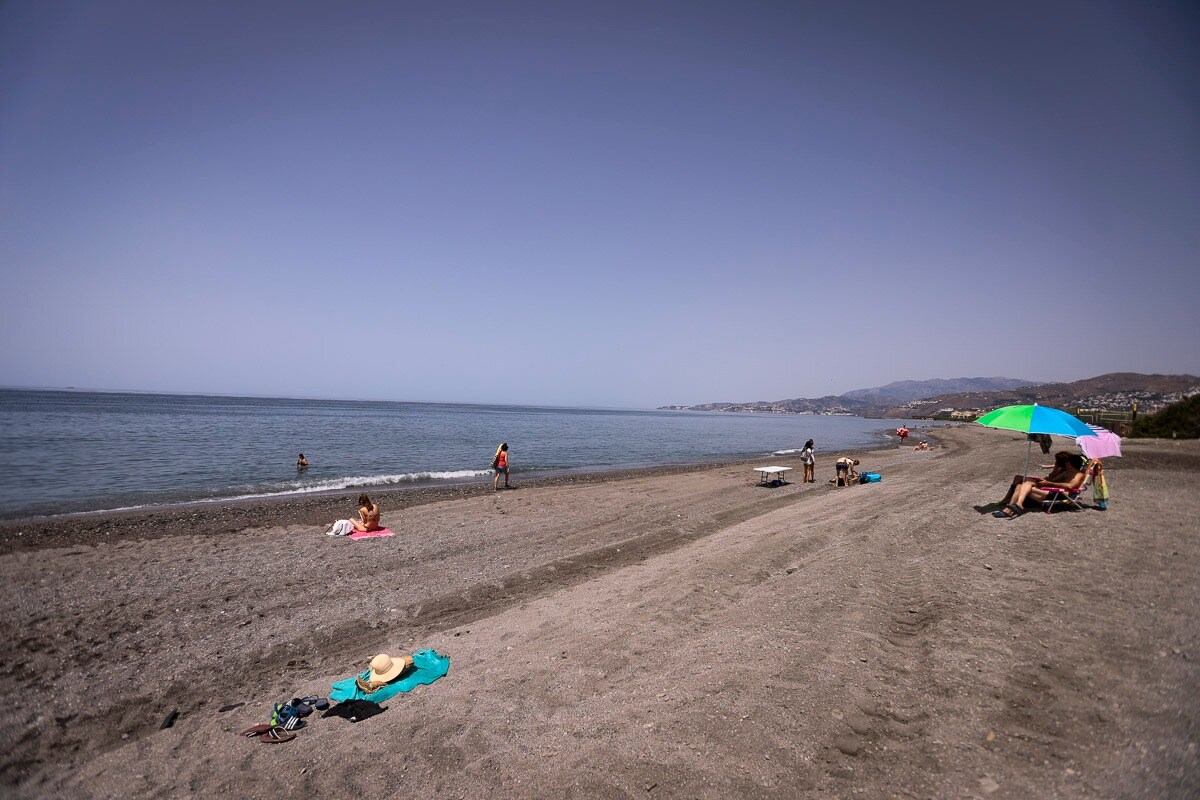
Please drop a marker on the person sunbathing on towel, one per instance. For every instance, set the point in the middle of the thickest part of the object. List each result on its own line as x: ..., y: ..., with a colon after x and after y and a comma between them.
x: 368, y: 515
x: 1036, y: 489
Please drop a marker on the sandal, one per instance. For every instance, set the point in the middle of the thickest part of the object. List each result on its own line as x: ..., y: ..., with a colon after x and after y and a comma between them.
x: 277, y: 736
x: 287, y: 716
x: 257, y: 730
x: 1008, y: 512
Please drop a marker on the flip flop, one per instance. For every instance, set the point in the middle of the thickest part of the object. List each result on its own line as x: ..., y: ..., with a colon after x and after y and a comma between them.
x: 303, y: 707
x: 257, y: 730
x: 277, y: 736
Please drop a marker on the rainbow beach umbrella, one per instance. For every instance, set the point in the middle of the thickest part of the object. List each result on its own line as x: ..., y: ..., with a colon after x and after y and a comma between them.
x: 1035, y: 419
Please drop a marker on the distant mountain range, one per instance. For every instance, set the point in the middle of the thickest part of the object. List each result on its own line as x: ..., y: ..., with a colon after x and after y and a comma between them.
x: 899, y: 392
x: 1117, y: 391
x: 943, y: 396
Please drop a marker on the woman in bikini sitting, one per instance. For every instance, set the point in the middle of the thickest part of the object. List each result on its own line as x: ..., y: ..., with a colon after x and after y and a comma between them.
x: 1036, y: 489
x: 1059, y: 470
x: 368, y: 515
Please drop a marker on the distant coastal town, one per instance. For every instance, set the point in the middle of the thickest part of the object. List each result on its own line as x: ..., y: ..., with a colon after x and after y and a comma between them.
x: 1122, y: 394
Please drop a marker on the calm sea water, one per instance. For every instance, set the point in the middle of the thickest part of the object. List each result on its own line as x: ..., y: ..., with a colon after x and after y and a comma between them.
x: 66, y: 451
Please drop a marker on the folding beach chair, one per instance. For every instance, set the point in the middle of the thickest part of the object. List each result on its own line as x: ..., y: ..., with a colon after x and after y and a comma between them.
x: 1068, y: 497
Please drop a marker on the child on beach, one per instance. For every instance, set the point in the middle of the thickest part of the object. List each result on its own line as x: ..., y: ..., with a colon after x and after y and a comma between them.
x: 810, y: 463
x: 500, y: 464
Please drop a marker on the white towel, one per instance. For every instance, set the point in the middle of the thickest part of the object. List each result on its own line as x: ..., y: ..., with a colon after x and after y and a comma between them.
x: 343, y: 527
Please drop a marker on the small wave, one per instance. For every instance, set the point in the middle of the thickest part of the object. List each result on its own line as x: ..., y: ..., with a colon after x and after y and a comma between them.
x: 300, y: 488
x: 360, y: 481
x: 786, y: 452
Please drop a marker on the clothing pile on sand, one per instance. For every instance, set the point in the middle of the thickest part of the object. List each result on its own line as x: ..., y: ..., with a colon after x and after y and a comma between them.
x: 356, y: 698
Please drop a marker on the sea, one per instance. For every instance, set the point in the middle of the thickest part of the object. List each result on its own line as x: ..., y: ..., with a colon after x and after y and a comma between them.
x: 76, y: 451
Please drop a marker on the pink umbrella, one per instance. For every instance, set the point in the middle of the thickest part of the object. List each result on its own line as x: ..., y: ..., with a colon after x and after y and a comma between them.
x: 1105, y: 444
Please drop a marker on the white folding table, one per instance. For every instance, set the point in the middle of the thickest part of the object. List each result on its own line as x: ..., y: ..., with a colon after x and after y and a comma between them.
x: 771, y: 474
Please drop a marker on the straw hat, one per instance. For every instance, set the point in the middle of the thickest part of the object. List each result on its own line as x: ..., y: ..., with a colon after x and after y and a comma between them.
x: 384, y: 668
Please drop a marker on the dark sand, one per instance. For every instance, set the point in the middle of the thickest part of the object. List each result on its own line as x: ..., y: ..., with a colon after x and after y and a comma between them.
x: 673, y: 633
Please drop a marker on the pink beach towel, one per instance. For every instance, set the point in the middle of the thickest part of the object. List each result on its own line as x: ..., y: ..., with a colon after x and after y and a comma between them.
x: 371, y: 534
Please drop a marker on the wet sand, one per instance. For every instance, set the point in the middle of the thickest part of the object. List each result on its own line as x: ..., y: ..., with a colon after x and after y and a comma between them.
x: 669, y: 633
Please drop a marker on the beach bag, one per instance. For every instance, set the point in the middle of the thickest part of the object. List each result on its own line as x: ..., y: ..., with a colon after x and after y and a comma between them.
x: 870, y: 477
x: 343, y: 527
x: 495, y: 460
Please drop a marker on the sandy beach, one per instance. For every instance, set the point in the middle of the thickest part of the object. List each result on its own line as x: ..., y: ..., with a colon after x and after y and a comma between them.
x: 676, y: 632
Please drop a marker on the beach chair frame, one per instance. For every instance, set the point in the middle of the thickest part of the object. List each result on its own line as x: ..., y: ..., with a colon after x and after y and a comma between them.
x: 1071, y: 499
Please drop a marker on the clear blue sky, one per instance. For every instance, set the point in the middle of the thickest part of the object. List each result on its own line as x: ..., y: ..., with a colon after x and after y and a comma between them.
x: 594, y: 204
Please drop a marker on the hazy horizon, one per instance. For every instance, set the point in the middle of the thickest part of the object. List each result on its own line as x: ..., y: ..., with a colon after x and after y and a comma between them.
x: 195, y: 393
x: 623, y: 206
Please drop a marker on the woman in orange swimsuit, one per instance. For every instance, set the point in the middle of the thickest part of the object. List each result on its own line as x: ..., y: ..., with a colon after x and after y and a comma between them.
x: 500, y: 464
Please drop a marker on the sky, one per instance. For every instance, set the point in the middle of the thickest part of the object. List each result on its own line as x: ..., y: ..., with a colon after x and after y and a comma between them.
x: 603, y: 204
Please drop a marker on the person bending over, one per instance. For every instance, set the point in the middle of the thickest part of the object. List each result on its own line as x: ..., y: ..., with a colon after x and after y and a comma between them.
x: 846, y: 471
x: 1036, y: 489
x: 368, y: 515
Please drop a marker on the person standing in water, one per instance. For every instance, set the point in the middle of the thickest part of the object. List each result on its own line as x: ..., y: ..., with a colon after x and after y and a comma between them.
x: 810, y: 463
x: 500, y: 464
x: 301, y: 462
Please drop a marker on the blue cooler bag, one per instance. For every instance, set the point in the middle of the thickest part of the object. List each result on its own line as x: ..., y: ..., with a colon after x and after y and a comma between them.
x: 870, y: 477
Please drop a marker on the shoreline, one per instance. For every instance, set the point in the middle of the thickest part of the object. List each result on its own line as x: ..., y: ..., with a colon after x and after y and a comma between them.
x: 208, y: 517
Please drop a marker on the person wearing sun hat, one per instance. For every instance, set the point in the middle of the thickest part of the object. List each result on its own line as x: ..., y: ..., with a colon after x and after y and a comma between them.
x: 384, y: 669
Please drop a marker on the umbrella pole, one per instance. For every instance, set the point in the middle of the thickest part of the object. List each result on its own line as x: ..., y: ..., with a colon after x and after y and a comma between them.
x: 1028, y: 451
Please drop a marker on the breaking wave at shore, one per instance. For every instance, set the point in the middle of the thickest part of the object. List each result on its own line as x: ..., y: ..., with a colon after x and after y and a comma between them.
x: 297, y: 488
x: 361, y: 482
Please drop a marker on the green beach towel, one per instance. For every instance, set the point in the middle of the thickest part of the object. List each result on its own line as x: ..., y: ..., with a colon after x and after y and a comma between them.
x: 428, y: 666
